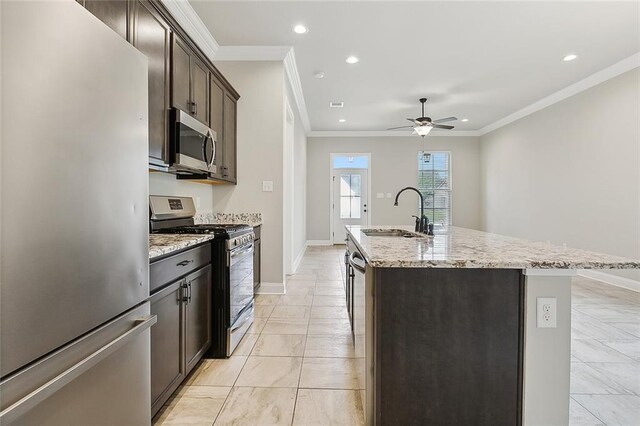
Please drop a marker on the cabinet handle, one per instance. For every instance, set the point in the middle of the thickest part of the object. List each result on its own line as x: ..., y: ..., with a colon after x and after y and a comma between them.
x: 189, y: 301
x: 184, y: 262
x: 185, y: 292
x: 195, y: 108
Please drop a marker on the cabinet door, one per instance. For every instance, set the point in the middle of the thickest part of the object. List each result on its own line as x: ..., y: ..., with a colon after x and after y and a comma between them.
x: 167, y: 369
x: 200, y: 90
x: 180, y: 75
x: 151, y: 36
x: 198, y: 316
x: 256, y: 263
x: 216, y: 111
x: 229, y: 171
x: 113, y: 13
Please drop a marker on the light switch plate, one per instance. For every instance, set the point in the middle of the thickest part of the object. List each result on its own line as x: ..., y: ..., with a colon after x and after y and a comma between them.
x: 389, y: 195
x: 546, y: 312
x: 380, y: 195
x: 267, y: 186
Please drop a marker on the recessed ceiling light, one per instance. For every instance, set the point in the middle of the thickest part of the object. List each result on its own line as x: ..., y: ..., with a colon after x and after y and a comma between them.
x: 300, y: 29
x: 570, y: 57
x: 319, y: 74
x: 342, y: 120
x: 464, y: 120
x: 353, y: 60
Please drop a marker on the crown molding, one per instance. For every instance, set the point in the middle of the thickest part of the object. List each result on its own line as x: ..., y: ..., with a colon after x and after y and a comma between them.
x: 272, y: 53
x: 252, y: 53
x: 387, y: 133
x: 189, y: 20
x: 608, y: 73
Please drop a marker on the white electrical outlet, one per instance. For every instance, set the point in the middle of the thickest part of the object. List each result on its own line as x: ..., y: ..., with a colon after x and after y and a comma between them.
x: 267, y: 186
x: 380, y: 195
x: 389, y: 195
x: 546, y: 312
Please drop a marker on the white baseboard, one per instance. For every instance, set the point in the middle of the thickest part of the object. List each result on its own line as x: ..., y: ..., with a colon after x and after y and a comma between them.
x: 271, y: 288
x: 296, y: 262
x: 319, y: 243
x: 623, y: 282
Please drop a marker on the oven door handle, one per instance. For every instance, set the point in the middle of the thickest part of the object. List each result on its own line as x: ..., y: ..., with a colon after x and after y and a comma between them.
x: 240, y: 252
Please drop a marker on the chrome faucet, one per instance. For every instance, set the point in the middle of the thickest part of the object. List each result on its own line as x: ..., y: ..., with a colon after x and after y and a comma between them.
x: 422, y: 222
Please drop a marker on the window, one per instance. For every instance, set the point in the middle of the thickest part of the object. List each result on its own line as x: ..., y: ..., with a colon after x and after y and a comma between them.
x: 350, y: 186
x: 434, y: 181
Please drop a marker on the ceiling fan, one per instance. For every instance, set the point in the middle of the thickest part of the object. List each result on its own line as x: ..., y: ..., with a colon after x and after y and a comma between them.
x: 423, y: 125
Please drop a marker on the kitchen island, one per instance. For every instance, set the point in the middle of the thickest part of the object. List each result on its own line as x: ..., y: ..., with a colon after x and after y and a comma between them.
x: 447, y: 330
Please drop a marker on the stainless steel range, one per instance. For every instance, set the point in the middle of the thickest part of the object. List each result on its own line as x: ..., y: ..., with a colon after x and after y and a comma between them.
x: 232, y: 261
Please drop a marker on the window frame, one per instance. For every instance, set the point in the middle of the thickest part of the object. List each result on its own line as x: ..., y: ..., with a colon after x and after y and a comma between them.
x: 450, y: 170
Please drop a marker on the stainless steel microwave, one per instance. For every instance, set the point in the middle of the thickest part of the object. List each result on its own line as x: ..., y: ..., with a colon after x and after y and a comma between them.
x: 194, y: 144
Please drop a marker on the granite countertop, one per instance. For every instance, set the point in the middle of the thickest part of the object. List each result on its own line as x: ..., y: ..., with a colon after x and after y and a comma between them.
x: 251, y: 219
x: 467, y: 248
x: 161, y: 244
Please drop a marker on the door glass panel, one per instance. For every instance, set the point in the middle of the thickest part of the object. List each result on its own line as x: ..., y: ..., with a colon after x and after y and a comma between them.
x: 350, y: 196
x: 356, y: 184
x: 355, y: 207
x: 345, y: 207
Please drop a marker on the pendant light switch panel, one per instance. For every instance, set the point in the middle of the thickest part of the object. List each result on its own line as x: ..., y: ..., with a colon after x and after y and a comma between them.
x: 267, y: 186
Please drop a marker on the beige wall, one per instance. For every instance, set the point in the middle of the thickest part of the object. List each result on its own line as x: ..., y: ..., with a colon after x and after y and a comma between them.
x: 260, y: 157
x: 570, y: 173
x: 299, y: 223
x: 166, y: 184
x: 393, y: 166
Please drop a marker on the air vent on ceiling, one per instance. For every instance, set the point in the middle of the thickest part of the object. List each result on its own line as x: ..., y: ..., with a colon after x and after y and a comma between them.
x: 336, y: 104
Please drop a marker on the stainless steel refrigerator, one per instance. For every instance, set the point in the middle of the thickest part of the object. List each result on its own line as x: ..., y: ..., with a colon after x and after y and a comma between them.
x: 74, y: 343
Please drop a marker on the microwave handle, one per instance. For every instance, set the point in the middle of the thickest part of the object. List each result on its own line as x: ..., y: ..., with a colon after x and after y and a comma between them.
x: 213, y: 150
x: 204, y: 149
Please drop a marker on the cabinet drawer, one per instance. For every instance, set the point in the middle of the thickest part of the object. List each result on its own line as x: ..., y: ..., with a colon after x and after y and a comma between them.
x: 169, y: 269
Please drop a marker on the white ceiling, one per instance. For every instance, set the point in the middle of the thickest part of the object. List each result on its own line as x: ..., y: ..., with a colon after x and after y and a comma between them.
x: 475, y: 60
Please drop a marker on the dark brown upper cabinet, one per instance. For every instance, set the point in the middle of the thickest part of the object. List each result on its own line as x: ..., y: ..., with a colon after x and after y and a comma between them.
x: 114, y: 13
x: 190, y: 81
x: 151, y: 35
x: 216, y: 114
x: 229, y: 143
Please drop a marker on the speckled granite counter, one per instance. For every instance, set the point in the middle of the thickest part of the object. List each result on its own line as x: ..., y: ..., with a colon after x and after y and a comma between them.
x: 252, y: 219
x: 467, y: 248
x: 162, y: 244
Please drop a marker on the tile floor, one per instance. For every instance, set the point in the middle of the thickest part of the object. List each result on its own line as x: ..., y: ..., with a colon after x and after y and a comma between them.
x: 297, y: 366
x: 605, y: 348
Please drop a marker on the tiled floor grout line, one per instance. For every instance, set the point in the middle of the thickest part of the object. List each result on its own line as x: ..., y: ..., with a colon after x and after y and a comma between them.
x: 588, y: 411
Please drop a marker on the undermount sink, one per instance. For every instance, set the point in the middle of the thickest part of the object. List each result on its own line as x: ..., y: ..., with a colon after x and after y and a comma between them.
x: 391, y: 233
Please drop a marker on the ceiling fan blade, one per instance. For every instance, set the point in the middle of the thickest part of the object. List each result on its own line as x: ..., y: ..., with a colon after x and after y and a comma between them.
x: 414, y: 121
x: 401, y: 127
x: 442, y: 126
x: 445, y: 120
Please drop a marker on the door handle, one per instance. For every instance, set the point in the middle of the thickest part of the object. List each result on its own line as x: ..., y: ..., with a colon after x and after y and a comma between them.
x: 23, y: 405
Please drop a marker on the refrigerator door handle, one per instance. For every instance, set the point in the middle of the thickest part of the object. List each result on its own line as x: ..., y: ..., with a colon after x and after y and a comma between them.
x: 29, y: 401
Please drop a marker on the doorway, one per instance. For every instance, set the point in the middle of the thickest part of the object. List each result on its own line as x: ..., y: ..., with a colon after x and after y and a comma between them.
x: 350, y: 193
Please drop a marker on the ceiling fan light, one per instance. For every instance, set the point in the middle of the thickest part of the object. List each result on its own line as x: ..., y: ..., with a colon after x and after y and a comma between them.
x: 422, y: 130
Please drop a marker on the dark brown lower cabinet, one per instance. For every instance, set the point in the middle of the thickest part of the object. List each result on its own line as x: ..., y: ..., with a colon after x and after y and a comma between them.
x: 167, y: 368
x: 197, y: 316
x: 257, y: 259
x: 182, y: 334
x: 447, y: 346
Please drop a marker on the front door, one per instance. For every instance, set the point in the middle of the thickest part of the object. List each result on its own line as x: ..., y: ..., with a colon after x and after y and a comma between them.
x: 350, y: 204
